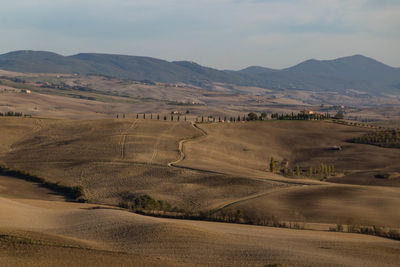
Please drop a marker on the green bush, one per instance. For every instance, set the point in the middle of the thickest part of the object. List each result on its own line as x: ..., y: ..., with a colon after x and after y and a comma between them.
x: 142, y: 203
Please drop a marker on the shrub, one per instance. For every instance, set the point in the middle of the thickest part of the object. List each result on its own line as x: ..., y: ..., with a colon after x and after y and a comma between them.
x: 142, y: 203
x: 394, y: 234
x: 252, y: 116
x: 353, y: 228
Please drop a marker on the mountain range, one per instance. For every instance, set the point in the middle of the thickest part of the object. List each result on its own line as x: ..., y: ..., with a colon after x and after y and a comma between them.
x: 354, y: 72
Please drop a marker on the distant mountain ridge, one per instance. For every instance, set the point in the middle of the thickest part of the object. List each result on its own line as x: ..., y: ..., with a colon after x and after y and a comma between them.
x: 354, y: 72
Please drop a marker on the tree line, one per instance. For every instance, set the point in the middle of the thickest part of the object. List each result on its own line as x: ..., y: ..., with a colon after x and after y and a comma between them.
x: 144, y: 203
x: 385, y: 138
x: 158, y: 117
x: 12, y: 114
x: 300, y: 116
x: 75, y: 193
x: 147, y: 205
x: 322, y: 171
x: 252, y: 116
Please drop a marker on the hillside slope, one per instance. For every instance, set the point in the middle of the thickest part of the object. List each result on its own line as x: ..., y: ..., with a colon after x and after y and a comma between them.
x: 115, y: 159
x: 356, y: 72
x: 54, y: 233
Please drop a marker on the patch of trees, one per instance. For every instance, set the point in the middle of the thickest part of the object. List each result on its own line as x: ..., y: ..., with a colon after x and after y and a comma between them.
x: 223, y: 215
x: 64, y: 86
x: 11, y: 114
x: 322, y: 171
x: 157, y: 117
x: 368, y: 230
x: 143, y: 203
x: 385, y: 138
x: 13, y: 79
x: 300, y: 116
x: 249, y: 217
x: 82, y: 97
x: 176, y: 103
x: 252, y: 116
x: 75, y: 193
x: 355, y: 123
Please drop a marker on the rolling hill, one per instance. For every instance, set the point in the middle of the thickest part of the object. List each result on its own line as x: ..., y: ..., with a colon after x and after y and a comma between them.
x: 223, y: 170
x: 355, y: 72
x: 119, y: 66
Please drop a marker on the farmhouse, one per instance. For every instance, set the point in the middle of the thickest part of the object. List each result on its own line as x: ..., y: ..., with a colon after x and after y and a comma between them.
x: 307, y: 112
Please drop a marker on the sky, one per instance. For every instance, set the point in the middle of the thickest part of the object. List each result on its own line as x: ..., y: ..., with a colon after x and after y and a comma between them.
x: 224, y: 34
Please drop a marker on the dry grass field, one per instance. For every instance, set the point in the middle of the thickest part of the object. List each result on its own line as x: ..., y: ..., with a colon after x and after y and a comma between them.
x: 90, y: 97
x: 245, y: 149
x: 225, y: 169
x: 48, y: 105
x: 111, y: 158
x: 42, y: 231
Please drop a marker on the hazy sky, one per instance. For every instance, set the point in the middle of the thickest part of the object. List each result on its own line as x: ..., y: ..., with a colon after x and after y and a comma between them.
x: 226, y: 34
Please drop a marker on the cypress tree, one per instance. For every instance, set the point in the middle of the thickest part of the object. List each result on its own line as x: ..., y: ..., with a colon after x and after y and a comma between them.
x: 322, y: 168
x: 272, y: 164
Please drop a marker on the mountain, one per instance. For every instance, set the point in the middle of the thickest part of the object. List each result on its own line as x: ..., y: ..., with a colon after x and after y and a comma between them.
x: 119, y: 66
x: 356, y: 67
x: 39, y: 62
x: 256, y: 70
x: 355, y: 72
